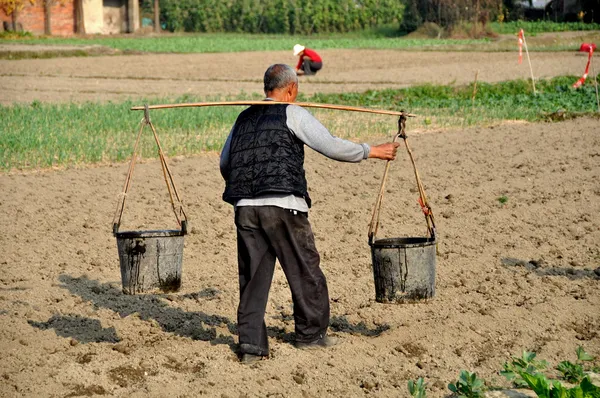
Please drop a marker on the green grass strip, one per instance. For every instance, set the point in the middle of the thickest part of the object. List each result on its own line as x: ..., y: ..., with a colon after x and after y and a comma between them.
x: 535, y: 27
x: 236, y: 42
x: 39, y: 135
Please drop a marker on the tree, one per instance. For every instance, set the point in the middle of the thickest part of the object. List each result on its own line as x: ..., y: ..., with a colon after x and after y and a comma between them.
x: 156, y: 16
x: 13, y: 7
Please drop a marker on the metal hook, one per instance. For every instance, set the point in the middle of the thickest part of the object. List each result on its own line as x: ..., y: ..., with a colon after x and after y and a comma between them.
x: 146, y: 114
x: 402, y: 126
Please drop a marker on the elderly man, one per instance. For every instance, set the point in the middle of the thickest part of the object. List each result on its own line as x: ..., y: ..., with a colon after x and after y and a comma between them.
x: 262, y: 163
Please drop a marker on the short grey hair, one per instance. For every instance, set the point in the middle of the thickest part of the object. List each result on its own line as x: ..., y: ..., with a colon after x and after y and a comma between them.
x: 279, y: 76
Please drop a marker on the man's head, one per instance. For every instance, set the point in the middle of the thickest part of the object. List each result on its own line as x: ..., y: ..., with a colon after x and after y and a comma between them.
x: 281, y: 83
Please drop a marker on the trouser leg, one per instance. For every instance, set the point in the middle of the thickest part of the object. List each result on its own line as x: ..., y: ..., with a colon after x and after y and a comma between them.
x: 256, y: 263
x: 294, y: 244
x: 306, y: 67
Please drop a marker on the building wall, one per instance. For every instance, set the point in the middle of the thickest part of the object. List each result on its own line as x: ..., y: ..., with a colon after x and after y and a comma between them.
x: 32, y: 18
x: 93, y: 16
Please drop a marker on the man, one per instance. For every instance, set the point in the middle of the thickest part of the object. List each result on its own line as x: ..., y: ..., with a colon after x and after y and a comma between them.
x: 262, y: 163
x: 309, y: 62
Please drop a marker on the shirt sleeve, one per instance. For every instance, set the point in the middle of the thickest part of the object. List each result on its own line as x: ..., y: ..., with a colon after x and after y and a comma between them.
x: 310, y: 131
x: 224, y: 160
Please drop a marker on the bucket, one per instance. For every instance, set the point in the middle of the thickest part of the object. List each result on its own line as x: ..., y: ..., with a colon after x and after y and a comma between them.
x: 150, y: 260
x: 404, y: 269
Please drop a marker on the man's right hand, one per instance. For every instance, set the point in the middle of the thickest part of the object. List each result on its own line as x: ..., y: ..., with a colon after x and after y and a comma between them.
x: 385, y: 151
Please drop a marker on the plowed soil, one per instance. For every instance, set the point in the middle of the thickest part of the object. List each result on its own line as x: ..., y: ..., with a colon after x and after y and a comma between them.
x: 518, y: 218
x: 104, y: 78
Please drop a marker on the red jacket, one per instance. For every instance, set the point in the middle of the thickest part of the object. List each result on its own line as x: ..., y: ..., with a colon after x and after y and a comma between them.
x: 312, y: 54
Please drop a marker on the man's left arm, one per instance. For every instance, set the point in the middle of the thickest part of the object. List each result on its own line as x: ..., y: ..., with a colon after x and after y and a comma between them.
x: 310, y: 131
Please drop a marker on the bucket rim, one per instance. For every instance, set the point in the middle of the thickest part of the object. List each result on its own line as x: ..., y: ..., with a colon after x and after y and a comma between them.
x: 161, y: 233
x: 402, y: 242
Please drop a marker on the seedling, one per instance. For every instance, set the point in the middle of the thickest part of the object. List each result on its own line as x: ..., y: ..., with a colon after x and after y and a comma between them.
x: 526, y: 363
x: 574, y: 372
x: 503, y: 199
x: 468, y: 385
x: 417, y: 389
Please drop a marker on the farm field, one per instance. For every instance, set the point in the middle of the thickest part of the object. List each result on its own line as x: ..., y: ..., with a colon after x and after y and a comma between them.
x: 112, y: 78
x: 517, y: 207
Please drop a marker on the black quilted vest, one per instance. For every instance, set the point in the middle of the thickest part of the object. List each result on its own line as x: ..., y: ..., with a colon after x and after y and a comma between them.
x: 265, y: 157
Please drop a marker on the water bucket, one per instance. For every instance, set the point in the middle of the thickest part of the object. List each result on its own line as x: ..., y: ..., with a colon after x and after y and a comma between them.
x: 404, y: 269
x: 150, y: 260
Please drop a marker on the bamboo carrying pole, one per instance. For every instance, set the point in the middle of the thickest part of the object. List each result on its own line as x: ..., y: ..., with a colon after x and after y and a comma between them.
x: 302, y: 104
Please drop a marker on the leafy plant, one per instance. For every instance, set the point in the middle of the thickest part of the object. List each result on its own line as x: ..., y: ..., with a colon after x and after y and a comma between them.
x: 468, y: 385
x: 526, y: 363
x: 582, y: 355
x: 417, y: 389
x: 545, y: 388
x: 574, y: 372
x: 503, y: 199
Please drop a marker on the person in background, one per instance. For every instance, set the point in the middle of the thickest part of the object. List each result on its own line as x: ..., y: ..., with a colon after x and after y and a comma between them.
x: 309, y: 62
x: 262, y: 163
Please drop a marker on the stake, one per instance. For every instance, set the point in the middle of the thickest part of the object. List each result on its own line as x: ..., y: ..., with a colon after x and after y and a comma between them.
x: 474, y: 88
x: 529, y: 60
x: 595, y: 83
x: 303, y: 104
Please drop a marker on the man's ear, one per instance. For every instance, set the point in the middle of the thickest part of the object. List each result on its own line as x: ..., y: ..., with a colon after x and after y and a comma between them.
x: 290, y: 90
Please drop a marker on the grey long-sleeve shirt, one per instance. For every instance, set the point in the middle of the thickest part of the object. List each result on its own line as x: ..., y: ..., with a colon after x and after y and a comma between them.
x: 310, y: 131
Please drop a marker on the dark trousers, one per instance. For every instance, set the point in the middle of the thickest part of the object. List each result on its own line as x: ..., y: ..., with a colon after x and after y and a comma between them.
x: 265, y: 233
x: 310, y: 67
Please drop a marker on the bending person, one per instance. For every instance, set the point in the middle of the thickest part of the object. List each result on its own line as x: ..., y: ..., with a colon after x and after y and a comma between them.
x: 309, y: 62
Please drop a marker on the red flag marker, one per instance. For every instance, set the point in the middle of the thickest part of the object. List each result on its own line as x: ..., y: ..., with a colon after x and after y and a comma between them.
x: 520, y: 46
x: 588, y: 48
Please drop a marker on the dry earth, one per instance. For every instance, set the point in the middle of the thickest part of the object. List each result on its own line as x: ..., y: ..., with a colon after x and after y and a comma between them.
x: 523, y: 275
x: 105, y: 78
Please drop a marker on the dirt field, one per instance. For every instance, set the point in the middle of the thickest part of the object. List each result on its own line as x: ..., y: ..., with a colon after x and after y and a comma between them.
x: 523, y: 275
x: 105, y: 78
x: 513, y: 276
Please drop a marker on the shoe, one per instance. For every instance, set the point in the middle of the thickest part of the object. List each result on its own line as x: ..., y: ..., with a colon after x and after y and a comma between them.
x: 250, y: 358
x: 322, y: 342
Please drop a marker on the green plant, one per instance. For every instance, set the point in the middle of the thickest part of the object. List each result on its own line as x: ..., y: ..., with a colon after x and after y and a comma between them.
x: 468, y: 385
x: 417, y: 389
x: 278, y: 16
x: 574, y: 372
x: 545, y: 388
x: 503, y: 199
x: 526, y: 363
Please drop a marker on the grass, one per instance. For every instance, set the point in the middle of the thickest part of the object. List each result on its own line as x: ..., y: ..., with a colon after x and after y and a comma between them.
x: 236, y: 42
x: 535, y: 27
x: 39, y: 135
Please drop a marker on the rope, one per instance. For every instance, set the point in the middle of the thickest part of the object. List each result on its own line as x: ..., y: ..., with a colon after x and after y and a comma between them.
x: 168, y: 177
x: 374, y: 224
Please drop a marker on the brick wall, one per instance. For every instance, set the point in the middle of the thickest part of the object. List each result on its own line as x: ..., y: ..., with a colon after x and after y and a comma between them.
x: 32, y: 18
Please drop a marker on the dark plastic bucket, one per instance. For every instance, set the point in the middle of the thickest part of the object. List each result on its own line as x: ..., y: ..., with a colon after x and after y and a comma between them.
x: 404, y: 269
x: 150, y: 260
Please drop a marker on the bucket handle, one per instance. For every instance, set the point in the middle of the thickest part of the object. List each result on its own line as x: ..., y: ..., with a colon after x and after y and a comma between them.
x: 178, y: 209
x: 374, y: 224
